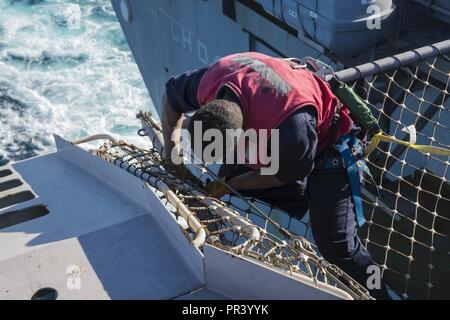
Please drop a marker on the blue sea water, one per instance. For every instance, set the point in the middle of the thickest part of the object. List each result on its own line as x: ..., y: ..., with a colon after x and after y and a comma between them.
x: 59, y: 78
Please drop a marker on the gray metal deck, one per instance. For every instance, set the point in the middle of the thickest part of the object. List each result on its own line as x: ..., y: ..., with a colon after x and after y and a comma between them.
x: 104, y: 234
x: 123, y: 248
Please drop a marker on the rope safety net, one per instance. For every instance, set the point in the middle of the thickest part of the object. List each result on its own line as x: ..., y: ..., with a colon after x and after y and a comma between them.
x: 408, y: 226
x: 238, y: 225
x: 408, y: 213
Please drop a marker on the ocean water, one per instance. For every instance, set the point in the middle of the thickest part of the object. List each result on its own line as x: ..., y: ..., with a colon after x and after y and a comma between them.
x: 71, y: 77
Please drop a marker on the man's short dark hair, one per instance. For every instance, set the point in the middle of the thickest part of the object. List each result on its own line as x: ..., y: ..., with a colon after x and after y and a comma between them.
x: 218, y: 114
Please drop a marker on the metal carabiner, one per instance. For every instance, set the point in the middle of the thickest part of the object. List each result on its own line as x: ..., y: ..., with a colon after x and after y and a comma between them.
x: 320, y: 68
x: 296, y: 63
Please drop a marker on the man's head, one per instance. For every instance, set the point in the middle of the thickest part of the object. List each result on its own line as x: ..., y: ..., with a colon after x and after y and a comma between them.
x: 218, y: 114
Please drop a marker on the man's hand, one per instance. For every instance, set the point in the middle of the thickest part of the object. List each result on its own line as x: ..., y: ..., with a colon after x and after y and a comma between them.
x: 217, y: 189
x: 248, y: 181
x: 181, y: 171
x: 253, y: 180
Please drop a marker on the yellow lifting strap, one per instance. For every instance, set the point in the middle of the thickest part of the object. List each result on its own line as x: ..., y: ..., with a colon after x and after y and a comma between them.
x: 377, y: 138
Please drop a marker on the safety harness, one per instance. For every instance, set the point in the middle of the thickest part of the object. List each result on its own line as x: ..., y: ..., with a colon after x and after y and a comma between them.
x: 350, y: 147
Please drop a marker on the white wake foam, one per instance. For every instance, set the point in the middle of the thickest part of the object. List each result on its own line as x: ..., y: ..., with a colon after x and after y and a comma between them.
x: 57, y: 79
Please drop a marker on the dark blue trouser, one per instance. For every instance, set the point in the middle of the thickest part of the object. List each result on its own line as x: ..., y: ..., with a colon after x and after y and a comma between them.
x: 334, y: 225
x: 329, y: 198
